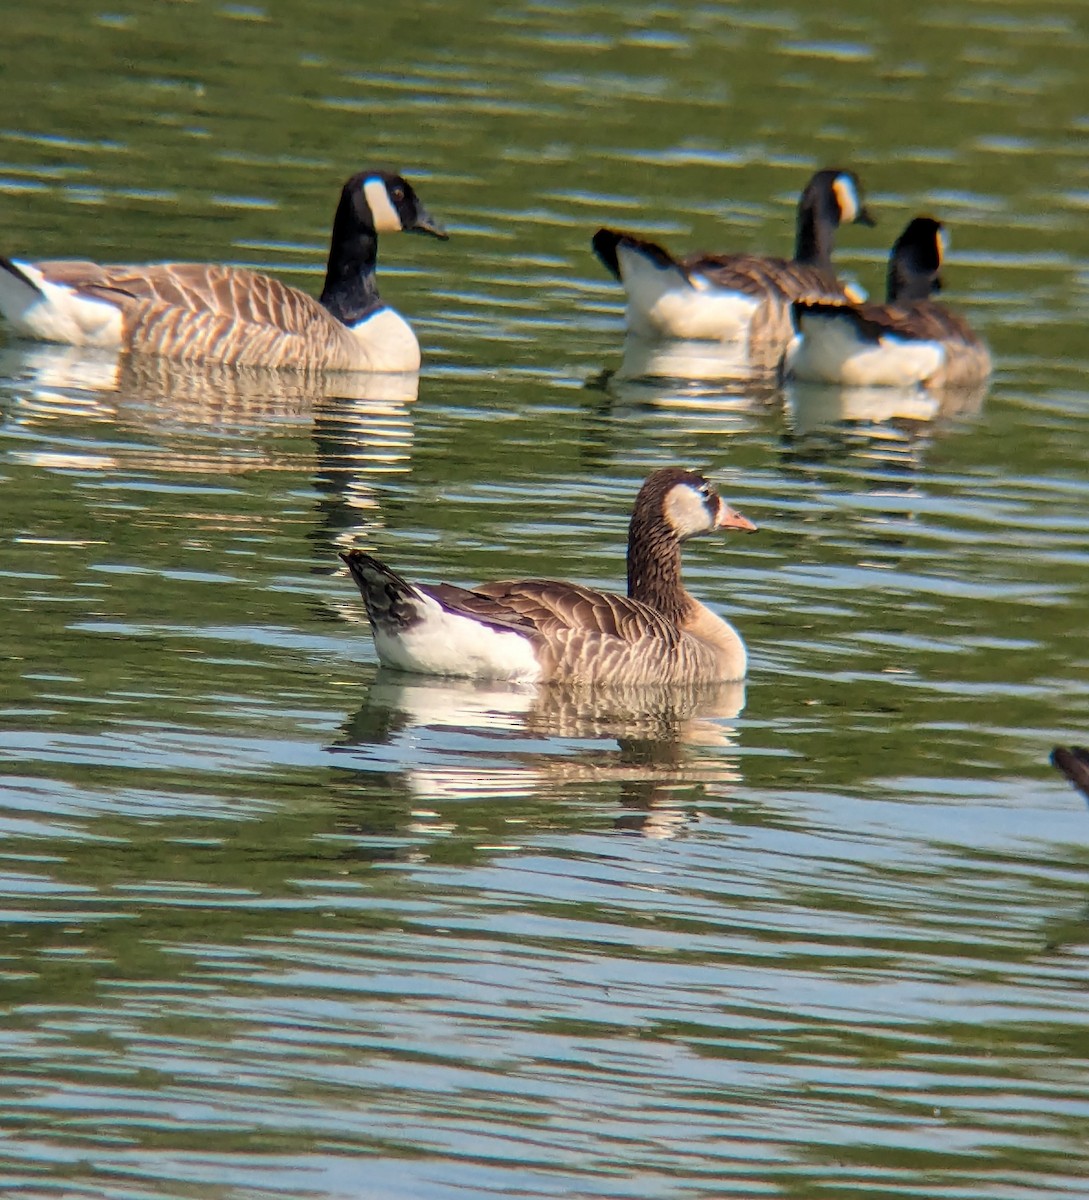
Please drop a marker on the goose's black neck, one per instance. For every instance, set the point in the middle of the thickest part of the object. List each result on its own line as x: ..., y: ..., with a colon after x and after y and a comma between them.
x: 818, y: 219
x: 351, y: 290
x: 654, y: 561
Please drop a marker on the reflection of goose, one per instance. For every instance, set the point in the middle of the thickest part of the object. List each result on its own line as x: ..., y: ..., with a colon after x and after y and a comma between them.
x: 463, y: 739
x: 204, y: 312
x: 908, y: 340
x: 811, y: 406
x: 534, y: 629
x: 1073, y: 761
x: 52, y: 379
x: 741, y: 301
x: 362, y: 422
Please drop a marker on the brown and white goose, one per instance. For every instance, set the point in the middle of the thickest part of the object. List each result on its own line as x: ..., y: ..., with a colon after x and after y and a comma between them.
x: 540, y: 630
x: 737, y: 298
x: 205, y: 312
x: 910, y: 339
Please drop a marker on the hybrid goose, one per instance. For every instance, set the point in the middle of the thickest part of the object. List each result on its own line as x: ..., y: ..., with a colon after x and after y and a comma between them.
x: 204, y: 312
x: 540, y: 630
x: 737, y: 298
x: 911, y: 339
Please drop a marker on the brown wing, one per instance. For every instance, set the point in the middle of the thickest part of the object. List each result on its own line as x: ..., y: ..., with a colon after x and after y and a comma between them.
x: 554, y: 606
x: 195, y: 311
x: 582, y: 634
x: 757, y: 275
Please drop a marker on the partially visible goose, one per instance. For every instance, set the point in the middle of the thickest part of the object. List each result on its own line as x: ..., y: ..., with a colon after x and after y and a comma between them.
x: 910, y: 339
x: 742, y: 298
x: 541, y: 630
x: 1073, y: 761
x: 204, y: 312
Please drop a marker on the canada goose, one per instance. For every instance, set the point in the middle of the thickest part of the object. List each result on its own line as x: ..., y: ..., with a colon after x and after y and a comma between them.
x: 911, y: 339
x: 739, y: 298
x: 1073, y: 761
x: 537, y: 630
x: 207, y: 312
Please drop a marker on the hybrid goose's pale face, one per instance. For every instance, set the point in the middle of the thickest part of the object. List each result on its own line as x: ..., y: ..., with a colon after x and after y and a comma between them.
x: 692, y: 508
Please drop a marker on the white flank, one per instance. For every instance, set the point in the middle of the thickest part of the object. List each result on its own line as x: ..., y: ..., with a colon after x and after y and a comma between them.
x: 56, y: 313
x: 385, y: 215
x: 388, y: 342
x: 442, y: 643
x: 662, y: 302
x: 832, y: 351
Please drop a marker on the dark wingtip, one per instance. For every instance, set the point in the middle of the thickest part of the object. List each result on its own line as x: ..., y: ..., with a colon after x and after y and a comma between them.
x: 1073, y: 762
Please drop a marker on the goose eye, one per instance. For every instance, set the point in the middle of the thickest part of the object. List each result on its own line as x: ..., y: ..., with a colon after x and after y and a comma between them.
x: 398, y: 195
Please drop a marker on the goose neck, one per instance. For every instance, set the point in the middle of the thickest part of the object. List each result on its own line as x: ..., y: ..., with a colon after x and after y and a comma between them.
x: 654, y: 567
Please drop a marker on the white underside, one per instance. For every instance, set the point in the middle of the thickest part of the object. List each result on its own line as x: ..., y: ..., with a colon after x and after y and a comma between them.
x: 662, y: 302
x: 831, y: 350
x: 56, y: 313
x: 443, y: 643
x: 388, y: 342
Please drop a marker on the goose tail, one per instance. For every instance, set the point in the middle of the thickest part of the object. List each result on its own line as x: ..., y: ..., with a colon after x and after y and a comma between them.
x: 392, y: 602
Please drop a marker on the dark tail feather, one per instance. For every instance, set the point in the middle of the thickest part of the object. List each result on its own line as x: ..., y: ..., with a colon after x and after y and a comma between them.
x: 606, y: 241
x: 7, y: 265
x: 392, y: 602
x: 370, y: 573
x: 1073, y: 761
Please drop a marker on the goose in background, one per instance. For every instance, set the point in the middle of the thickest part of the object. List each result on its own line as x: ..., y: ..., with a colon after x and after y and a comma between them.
x: 1073, y: 761
x: 540, y: 630
x: 740, y: 299
x: 206, y: 312
x: 910, y: 339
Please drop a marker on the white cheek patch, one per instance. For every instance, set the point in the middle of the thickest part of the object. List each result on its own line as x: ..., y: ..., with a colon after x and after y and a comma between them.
x: 686, y: 511
x: 385, y: 215
x: 846, y: 197
x: 943, y: 245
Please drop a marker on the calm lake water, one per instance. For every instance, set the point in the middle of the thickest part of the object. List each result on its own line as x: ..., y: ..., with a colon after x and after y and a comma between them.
x: 277, y: 924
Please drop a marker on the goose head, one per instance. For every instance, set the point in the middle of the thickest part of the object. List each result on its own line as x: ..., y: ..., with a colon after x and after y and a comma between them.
x: 836, y: 196
x: 916, y: 260
x: 384, y: 202
x: 673, y: 505
x: 687, y: 504
x: 833, y: 197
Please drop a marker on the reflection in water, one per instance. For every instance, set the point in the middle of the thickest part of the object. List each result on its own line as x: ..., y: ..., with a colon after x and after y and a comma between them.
x: 889, y: 426
x: 362, y: 423
x: 810, y: 406
x: 694, y: 360
x: 458, y: 739
x: 149, y: 390
x: 360, y: 438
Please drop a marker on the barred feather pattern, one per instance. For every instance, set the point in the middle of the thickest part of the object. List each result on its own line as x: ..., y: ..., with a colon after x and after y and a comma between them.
x: 197, y: 312
x: 584, y: 636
